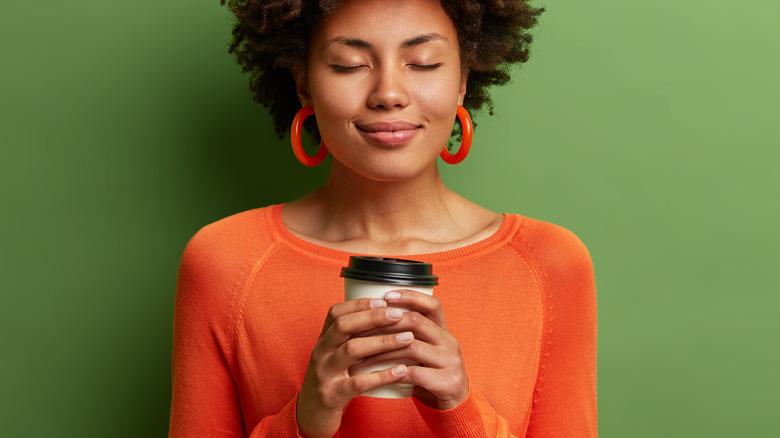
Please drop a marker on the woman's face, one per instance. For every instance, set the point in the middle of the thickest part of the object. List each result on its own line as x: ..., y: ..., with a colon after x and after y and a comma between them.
x: 384, y: 79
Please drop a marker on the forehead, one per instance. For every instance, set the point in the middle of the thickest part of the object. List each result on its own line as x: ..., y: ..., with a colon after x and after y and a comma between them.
x: 385, y: 21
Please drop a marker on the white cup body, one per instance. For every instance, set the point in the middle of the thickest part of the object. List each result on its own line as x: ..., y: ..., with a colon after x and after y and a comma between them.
x: 356, y: 289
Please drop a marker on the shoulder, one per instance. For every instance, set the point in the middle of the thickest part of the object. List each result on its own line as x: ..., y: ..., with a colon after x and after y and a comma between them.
x: 553, y: 240
x: 213, y: 267
x: 220, y: 251
x: 556, y: 253
x: 227, y: 236
x: 233, y: 227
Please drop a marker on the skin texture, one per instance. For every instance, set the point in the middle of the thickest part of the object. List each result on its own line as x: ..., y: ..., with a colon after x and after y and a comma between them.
x: 409, y: 75
x: 271, y: 40
x: 384, y: 78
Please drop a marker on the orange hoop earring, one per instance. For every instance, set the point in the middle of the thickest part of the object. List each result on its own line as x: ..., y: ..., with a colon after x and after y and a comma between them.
x: 465, y: 145
x: 295, y: 139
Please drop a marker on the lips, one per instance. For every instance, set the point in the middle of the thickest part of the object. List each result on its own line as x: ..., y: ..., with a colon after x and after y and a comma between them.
x: 389, y: 133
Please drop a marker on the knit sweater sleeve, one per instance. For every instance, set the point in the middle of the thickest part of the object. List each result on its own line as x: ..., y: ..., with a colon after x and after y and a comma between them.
x: 564, y: 401
x: 206, y: 401
x: 473, y: 418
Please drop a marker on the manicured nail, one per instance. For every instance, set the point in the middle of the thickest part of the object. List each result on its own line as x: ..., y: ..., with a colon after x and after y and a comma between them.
x: 399, y: 370
x: 375, y: 304
x: 395, y: 313
x: 393, y: 296
x: 404, y: 336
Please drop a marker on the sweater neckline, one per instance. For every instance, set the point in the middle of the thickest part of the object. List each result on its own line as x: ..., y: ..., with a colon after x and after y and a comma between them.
x: 280, y: 234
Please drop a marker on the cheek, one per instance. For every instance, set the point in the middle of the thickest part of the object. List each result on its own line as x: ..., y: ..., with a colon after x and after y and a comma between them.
x: 334, y: 109
x: 439, y: 100
x: 335, y: 99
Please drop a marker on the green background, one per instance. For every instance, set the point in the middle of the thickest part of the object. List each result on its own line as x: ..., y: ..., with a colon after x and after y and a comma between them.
x: 648, y: 128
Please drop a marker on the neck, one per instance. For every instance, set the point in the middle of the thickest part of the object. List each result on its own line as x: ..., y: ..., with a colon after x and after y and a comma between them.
x: 397, y: 217
x: 390, y: 208
x: 412, y: 216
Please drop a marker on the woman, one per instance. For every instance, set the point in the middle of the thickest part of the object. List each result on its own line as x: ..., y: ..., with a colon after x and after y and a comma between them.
x: 506, y: 346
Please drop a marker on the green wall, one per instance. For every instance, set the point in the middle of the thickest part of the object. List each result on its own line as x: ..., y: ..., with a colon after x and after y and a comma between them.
x: 648, y: 128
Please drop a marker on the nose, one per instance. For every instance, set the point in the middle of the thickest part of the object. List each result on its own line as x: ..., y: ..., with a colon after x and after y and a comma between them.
x: 389, y: 89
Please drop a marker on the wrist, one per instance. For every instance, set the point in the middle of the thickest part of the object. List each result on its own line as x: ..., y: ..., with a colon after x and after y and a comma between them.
x: 312, y: 423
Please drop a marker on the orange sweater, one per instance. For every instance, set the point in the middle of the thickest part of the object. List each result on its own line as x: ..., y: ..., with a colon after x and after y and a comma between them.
x: 252, y: 297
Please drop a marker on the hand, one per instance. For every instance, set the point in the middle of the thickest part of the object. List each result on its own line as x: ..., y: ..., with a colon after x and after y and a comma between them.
x: 441, y: 382
x: 327, y: 387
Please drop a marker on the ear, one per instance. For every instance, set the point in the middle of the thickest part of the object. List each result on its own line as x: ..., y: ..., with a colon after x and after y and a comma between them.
x: 302, y: 87
x: 462, y: 92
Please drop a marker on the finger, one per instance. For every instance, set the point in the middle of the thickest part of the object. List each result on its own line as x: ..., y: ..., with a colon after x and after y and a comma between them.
x: 360, y: 383
x: 450, y: 388
x: 346, y: 326
x: 415, y: 351
x: 351, y: 306
x: 426, y: 304
x: 353, y: 349
x: 423, y: 328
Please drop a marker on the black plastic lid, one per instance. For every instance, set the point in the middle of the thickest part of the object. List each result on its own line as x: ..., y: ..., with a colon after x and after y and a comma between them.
x: 390, y: 270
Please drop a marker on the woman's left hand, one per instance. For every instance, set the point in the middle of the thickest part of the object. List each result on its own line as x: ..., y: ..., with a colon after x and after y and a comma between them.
x: 441, y: 381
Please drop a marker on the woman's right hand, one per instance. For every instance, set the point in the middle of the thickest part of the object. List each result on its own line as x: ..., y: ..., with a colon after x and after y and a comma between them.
x: 327, y: 387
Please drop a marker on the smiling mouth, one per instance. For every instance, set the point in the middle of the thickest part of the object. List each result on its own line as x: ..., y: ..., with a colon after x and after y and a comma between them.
x: 389, y: 133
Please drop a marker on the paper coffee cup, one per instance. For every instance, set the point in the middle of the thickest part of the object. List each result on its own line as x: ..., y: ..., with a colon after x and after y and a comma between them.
x: 372, y: 277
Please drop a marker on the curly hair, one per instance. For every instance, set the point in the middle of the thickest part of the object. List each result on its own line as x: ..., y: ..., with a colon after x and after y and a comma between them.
x: 271, y: 38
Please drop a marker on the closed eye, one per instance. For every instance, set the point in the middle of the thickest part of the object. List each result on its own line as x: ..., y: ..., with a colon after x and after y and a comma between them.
x: 345, y: 68
x: 426, y: 66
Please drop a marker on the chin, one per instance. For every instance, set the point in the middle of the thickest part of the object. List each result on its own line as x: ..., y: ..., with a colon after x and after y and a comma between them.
x: 388, y: 167
x: 389, y: 175
x: 393, y: 172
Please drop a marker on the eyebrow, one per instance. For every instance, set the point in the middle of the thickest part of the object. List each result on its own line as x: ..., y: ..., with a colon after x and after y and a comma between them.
x: 416, y: 41
x: 351, y: 42
x: 362, y: 44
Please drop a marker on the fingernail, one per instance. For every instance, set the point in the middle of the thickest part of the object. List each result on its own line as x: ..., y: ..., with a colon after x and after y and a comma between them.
x: 359, y: 361
x: 405, y: 336
x: 375, y: 304
x: 394, y: 313
x: 399, y: 370
x: 393, y: 296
